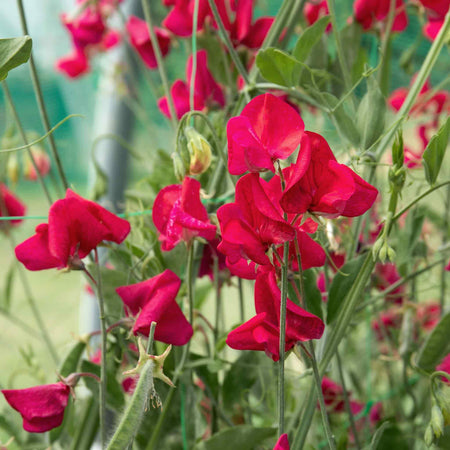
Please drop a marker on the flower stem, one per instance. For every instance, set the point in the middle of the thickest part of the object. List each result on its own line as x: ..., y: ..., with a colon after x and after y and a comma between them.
x: 160, y: 62
x: 226, y: 39
x: 40, y: 101
x: 102, y: 318
x: 445, y: 236
x: 194, y: 56
x: 283, y: 302
x: 24, y: 139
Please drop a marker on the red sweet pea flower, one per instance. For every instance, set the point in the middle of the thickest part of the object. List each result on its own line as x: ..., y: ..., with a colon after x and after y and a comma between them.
x: 368, y: 12
x: 251, y: 224
x: 386, y: 323
x: 385, y: 276
x: 436, y: 11
x: 86, y: 29
x: 319, y: 184
x: 153, y: 300
x: 207, y: 92
x: 314, y: 10
x: 75, y: 227
x: 444, y: 366
x: 10, y: 205
x: 262, y: 332
x: 267, y: 129
x: 428, y: 315
x: 140, y: 40
x: 73, y: 65
x: 179, y: 215
x: 41, y: 407
x: 282, y: 443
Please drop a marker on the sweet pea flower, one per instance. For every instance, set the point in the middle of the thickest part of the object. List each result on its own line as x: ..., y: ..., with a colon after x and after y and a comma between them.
x: 282, y: 443
x: 154, y: 300
x: 140, y: 40
x: 10, y: 205
x: 435, y: 11
x: 75, y: 227
x: 369, y: 12
x: 319, y: 184
x: 41, y: 407
x: 262, y: 332
x: 179, y: 215
x: 314, y: 10
x: 73, y: 65
x: 251, y: 224
x: 266, y: 130
x: 386, y: 275
x: 444, y: 366
x: 207, y: 92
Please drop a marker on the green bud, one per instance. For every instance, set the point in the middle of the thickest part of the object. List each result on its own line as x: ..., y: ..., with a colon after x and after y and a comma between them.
x: 442, y: 396
x: 377, y: 247
x: 178, y: 166
x: 437, y: 421
x: 13, y: 168
x: 397, y: 178
x: 391, y: 253
x: 429, y: 436
x: 383, y: 253
x: 199, y: 151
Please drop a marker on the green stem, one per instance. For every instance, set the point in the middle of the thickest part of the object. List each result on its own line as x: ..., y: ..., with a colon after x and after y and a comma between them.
x: 194, y: 55
x: 25, y: 140
x: 383, y: 74
x: 101, y: 308
x: 292, y: 21
x: 282, y: 346
x: 151, y: 336
x: 444, y: 239
x: 160, y: 62
x: 40, y: 100
x: 347, y: 400
x: 218, y: 300
x: 323, y: 411
x: 34, y: 308
x: 226, y: 39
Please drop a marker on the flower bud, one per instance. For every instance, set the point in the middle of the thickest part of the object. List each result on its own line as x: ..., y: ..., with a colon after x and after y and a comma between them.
x: 437, y: 421
x: 13, y: 168
x: 397, y: 178
x: 179, y: 166
x: 199, y: 151
x: 42, y: 162
x: 429, y: 436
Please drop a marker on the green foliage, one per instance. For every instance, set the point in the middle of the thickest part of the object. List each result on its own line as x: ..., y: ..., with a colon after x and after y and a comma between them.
x: 435, y: 151
x: 13, y: 53
x: 278, y: 67
x: 309, y: 38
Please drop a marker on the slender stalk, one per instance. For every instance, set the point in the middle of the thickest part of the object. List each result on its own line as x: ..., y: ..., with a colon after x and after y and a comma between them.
x: 25, y: 140
x: 159, y: 60
x: 283, y: 302
x: 102, y: 318
x: 292, y: 21
x: 444, y: 239
x: 218, y: 300
x: 323, y: 411
x: 40, y: 101
x: 347, y: 401
x: 226, y: 39
x: 383, y: 74
x: 194, y: 56
x: 33, y: 305
x: 20, y: 323
x: 151, y: 337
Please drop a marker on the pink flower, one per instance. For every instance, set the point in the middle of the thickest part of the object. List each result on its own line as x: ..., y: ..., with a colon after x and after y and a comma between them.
x: 428, y: 315
x: 266, y: 130
x: 314, y: 10
x: 207, y: 92
x: 436, y: 11
x: 86, y: 29
x: 10, y: 205
x: 385, y: 276
x: 319, y: 184
x: 282, y: 443
x: 73, y: 65
x: 368, y: 12
x: 333, y: 395
x: 262, y: 332
x: 41, y: 407
x: 444, y: 366
x: 140, y: 40
x: 154, y: 300
x: 179, y: 215
x: 75, y: 227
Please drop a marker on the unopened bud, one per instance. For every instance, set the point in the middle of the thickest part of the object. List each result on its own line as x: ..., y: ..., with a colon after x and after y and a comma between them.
x: 397, y: 178
x: 199, y: 151
x: 437, y: 421
x: 429, y: 436
x: 13, y: 168
x: 178, y: 166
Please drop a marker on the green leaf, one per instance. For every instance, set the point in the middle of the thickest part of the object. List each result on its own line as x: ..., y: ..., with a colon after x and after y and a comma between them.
x: 436, y: 346
x: 239, y: 379
x: 278, y: 67
x: 392, y: 437
x: 370, y: 117
x: 309, y: 38
x: 340, y: 286
x: 344, y: 123
x: 13, y: 53
x: 243, y: 437
x: 70, y: 363
x: 313, y: 297
x: 6, y: 300
x: 435, y: 151
x: 378, y: 435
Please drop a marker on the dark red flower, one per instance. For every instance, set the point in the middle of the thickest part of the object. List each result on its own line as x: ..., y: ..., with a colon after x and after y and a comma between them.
x: 435, y: 11
x: 262, y: 332
x: 75, y: 227
x: 369, y: 12
x: 154, y: 300
x: 428, y: 315
x: 207, y: 92
x: 333, y: 395
x: 251, y: 224
x: 41, y: 407
x: 266, y: 130
x: 282, y: 443
x: 314, y: 10
x: 319, y: 184
x: 385, y: 276
x: 386, y: 323
x: 10, y: 205
x: 178, y: 214
x: 140, y: 40
x: 207, y: 264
